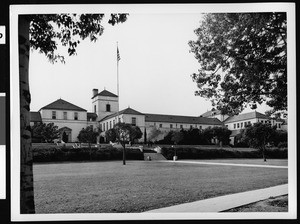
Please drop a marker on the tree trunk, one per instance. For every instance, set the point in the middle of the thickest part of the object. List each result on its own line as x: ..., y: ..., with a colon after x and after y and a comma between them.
x: 26, y: 187
x: 124, y: 156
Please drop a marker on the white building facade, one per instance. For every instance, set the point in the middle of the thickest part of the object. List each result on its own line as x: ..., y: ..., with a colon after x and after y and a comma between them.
x: 70, y: 118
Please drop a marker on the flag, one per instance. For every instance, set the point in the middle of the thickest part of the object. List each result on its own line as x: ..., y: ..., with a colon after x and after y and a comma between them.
x: 118, y: 54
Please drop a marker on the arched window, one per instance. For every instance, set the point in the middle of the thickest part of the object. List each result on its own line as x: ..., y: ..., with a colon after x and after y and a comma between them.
x: 108, y: 107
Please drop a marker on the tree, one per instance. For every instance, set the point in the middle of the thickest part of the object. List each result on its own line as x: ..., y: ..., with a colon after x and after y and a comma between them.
x: 243, y: 60
x: 135, y: 134
x: 222, y: 134
x: 111, y: 135
x: 45, y: 132
x: 153, y: 134
x: 45, y: 31
x: 88, y: 135
x: 177, y: 137
x: 123, y: 136
x: 258, y: 135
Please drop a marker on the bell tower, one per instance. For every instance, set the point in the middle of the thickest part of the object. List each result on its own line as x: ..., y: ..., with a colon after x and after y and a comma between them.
x: 104, y: 103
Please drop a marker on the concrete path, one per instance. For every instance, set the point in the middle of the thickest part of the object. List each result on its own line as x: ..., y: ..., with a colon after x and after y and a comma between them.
x: 228, y: 164
x: 226, y: 202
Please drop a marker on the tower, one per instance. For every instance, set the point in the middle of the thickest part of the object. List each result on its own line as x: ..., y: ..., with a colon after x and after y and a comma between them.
x: 104, y: 103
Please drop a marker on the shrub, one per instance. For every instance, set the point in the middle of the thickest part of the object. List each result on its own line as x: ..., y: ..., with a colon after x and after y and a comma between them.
x: 55, y: 154
x: 194, y: 153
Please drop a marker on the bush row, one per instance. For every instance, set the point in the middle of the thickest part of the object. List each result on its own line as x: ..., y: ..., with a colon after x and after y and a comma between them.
x: 193, y: 153
x: 55, y: 154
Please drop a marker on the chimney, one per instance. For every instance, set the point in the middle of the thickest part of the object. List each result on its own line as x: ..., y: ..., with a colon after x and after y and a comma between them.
x: 95, y: 92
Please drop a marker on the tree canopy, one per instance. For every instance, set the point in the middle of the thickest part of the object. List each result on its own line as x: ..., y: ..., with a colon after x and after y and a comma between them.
x: 243, y: 60
x: 88, y: 135
x: 46, y: 31
x: 259, y: 135
x: 45, y: 132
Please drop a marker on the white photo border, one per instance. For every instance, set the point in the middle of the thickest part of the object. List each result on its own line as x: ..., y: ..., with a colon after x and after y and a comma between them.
x: 16, y: 10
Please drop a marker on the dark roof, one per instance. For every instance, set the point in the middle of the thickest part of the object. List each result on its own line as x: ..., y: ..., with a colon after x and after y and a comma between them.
x: 35, y: 117
x: 125, y: 111
x: 246, y: 116
x: 105, y: 93
x: 210, y: 113
x: 62, y: 105
x: 181, y: 119
x: 92, y: 116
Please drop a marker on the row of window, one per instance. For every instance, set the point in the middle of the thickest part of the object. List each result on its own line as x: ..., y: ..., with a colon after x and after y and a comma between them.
x: 244, y: 124
x: 110, y: 124
x: 65, y: 115
x: 178, y: 126
x: 240, y: 125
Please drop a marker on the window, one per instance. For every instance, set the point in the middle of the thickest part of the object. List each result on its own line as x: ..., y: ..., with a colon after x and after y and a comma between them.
x: 249, y: 122
x: 53, y: 114
x: 279, y: 125
x: 65, y: 116
x: 110, y: 124
x: 181, y: 126
x: 171, y: 125
x: 106, y: 125
x: 160, y: 125
x: 191, y: 126
x: 234, y: 126
x: 133, y: 121
x: 238, y: 125
x: 242, y: 125
x: 108, y: 107
x: 245, y: 124
x: 75, y: 115
x: 100, y: 125
x: 95, y: 109
x: 200, y: 127
x: 114, y: 122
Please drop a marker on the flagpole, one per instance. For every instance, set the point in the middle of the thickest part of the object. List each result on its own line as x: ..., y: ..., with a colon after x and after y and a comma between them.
x: 118, y: 58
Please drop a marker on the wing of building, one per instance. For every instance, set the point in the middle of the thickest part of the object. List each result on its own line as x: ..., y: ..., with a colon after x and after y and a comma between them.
x: 70, y: 118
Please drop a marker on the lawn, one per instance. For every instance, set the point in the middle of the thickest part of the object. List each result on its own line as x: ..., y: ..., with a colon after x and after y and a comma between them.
x: 103, y: 187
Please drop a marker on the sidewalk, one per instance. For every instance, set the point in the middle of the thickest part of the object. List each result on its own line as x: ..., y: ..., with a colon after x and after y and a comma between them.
x: 226, y: 202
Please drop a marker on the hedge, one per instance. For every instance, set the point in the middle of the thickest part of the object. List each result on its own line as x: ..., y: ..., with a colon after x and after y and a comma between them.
x: 59, y: 154
x: 193, y: 153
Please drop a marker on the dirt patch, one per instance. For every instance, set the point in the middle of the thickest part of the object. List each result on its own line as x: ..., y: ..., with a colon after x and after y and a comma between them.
x: 273, y: 204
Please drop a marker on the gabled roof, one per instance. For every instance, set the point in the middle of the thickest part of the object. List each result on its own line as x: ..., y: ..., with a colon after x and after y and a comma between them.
x: 246, y: 116
x: 125, y: 111
x: 35, y: 116
x: 181, y: 119
x: 210, y: 113
x: 62, y: 105
x: 92, y: 116
x: 105, y: 93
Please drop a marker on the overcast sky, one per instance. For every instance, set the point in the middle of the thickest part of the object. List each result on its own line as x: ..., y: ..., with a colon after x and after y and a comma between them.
x: 155, y: 67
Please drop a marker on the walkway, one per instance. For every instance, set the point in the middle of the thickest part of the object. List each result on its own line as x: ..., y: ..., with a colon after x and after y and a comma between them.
x: 227, y: 164
x: 226, y: 202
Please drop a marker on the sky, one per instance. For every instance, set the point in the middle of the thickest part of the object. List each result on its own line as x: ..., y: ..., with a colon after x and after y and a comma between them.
x: 154, y: 71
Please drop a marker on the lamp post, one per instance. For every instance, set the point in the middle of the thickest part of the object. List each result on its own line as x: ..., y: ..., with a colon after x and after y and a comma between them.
x: 175, y: 156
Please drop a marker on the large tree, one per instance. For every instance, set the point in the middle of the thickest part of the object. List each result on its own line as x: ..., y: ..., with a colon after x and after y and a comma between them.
x: 243, y: 60
x: 43, y: 33
x: 259, y: 135
x: 124, y: 134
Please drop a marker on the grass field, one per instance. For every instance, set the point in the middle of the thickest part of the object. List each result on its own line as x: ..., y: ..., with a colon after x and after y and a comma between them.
x: 104, y: 187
